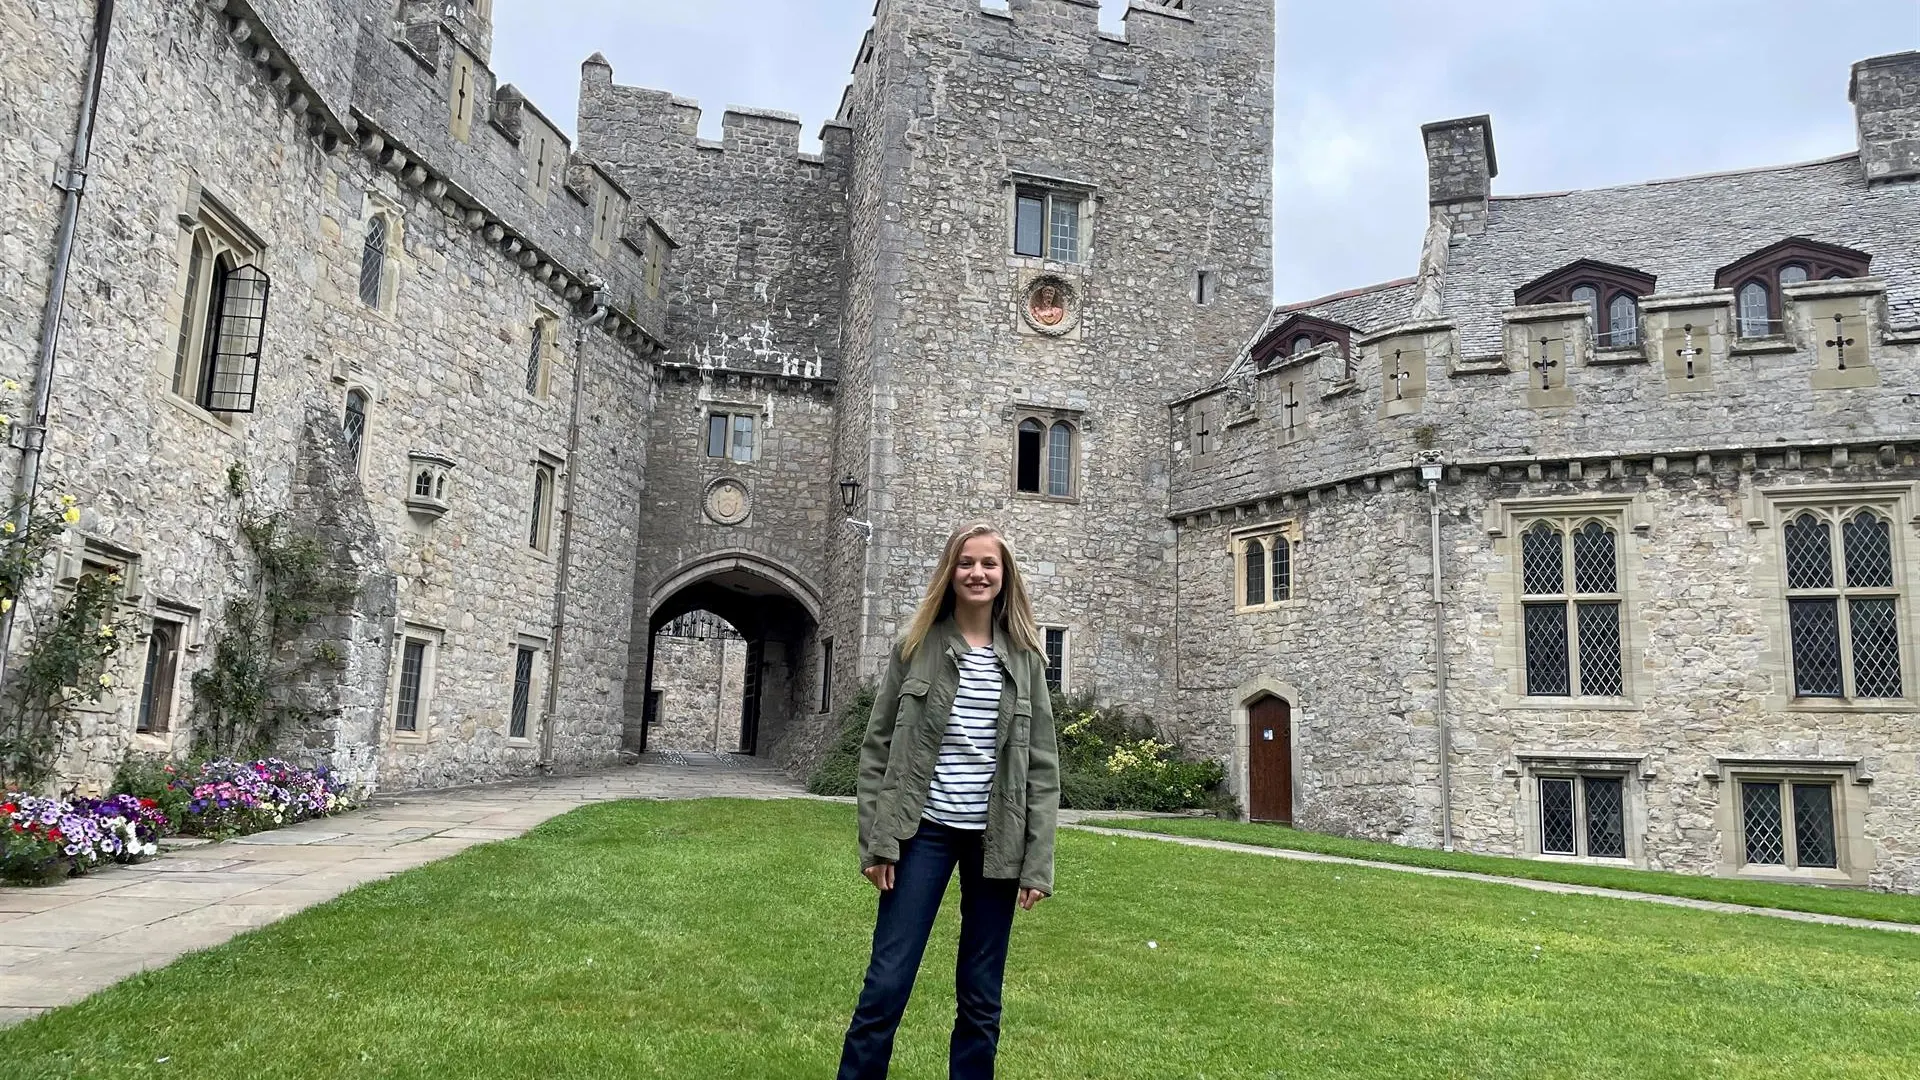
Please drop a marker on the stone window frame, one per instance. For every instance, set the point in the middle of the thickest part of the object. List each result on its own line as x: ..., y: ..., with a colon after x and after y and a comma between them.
x: 546, y: 156
x: 609, y: 214
x: 1050, y: 190
x: 1630, y: 769
x: 733, y: 411
x: 543, y: 500
x: 1268, y: 535
x: 357, y: 443
x: 543, y: 348
x: 1762, y: 269
x: 536, y: 687
x: 432, y: 639
x: 1507, y: 521
x: 1206, y: 286
x: 185, y: 622
x: 1771, y: 509
x: 211, y: 234
x: 1049, y: 419
x: 1609, y: 283
x: 1853, y: 848
x: 1057, y: 675
x: 1205, y: 435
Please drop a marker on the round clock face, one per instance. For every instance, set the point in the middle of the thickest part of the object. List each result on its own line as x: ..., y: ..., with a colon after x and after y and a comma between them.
x: 728, y: 502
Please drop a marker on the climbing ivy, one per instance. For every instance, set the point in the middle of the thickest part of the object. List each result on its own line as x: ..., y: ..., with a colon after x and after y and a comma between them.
x: 67, y: 665
x: 249, y: 696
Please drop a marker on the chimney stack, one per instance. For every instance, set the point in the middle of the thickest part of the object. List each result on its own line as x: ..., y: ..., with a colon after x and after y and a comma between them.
x: 1460, y: 170
x: 1886, y: 103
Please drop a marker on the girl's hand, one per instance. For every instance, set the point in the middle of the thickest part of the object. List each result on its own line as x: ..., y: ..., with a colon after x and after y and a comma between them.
x: 1030, y: 897
x: 881, y: 874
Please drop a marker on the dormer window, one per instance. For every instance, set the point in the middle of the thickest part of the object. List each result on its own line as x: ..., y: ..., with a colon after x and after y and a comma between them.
x: 1757, y: 281
x: 427, y: 484
x: 1299, y: 335
x: 1610, y: 293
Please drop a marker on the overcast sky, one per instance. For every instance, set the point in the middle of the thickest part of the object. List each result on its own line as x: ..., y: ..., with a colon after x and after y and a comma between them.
x: 1583, y: 94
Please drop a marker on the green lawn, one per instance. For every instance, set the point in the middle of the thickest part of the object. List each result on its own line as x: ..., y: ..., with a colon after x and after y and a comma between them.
x: 1856, y: 903
x: 727, y: 939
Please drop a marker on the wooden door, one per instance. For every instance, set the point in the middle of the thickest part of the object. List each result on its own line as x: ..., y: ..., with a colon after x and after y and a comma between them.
x: 1270, y: 761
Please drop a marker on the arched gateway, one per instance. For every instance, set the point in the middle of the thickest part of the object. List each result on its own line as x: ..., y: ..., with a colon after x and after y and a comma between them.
x: 773, y: 607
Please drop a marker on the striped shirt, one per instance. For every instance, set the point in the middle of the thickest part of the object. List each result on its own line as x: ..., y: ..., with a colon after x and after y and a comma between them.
x: 963, y: 777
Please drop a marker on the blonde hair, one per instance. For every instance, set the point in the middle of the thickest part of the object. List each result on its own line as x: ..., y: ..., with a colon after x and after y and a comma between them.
x: 1012, y: 609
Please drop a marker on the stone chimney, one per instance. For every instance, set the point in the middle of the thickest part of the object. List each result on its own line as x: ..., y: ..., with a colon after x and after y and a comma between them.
x: 1886, y: 103
x: 1460, y: 170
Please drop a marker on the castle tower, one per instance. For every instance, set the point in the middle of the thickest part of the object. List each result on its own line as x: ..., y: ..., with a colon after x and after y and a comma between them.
x: 1052, y: 228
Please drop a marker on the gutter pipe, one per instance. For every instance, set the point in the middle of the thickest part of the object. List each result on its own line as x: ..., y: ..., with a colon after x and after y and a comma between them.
x: 73, y: 181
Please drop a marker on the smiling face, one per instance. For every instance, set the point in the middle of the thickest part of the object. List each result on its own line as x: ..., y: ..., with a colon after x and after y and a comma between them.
x: 978, y: 573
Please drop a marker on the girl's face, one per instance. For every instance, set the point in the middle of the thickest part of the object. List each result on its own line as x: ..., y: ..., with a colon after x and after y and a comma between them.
x: 978, y: 573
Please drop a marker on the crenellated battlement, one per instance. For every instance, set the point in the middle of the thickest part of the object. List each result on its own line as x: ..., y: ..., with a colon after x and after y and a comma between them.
x: 658, y: 118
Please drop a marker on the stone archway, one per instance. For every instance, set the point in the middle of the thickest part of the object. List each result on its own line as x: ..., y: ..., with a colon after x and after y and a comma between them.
x: 1245, y: 698
x: 774, y: 608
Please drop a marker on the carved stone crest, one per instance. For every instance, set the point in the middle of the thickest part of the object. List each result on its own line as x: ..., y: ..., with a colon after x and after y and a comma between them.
x: 728, y: 501
x: 1051, y: 306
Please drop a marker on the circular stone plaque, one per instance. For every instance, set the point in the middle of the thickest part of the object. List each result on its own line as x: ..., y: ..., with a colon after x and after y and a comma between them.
x: 728, y: 501
x: 1051, y: 306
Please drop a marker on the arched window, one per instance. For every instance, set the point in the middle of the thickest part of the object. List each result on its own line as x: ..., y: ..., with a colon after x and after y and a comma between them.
x: 1256, y: 560
x: 1623, y: 320
x: 193, y: 314
x: 1298, y: 335
x: 1756, y: 303
x: 423, y: 484
x: 373, y: 261
x: 1282, y: 577
x: 1060, y: 460
x: 1590, y: 296
x: 1611, y: 295
x: 540, y: 536
x: 354, y: 423
x: 1029, y: 453
x: 1301, y: 343
x: 1760, y: 278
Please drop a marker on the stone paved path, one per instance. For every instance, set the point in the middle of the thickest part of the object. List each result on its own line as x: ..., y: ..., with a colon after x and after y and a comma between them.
x: 1096, y: 825
x: 61, y: 943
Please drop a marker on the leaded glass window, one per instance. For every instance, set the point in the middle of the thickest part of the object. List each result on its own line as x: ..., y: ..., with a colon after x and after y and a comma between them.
x: 743, y: 437
x: 413, y: 662
x: 1583, y: 815
x: 354, y: 424
x: 1256, y: 560
x: 1046, y: 224
x: 1756, y: 319
x: 522, y: 691
x: 1590, y: 296
x: 373, y: 261
x: 1573, y: 635
x: 1792, y: 274
x: 1843, y: 604
x: 1265, y: 570
x: 1623, y: 321
x: 539, y: 533
x: 1056, y: 656
x: 1060, y: 460
x: 536, y: 358
x: 1789, y: 823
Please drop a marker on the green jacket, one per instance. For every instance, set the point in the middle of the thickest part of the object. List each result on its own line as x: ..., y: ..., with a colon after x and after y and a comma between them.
x: 903, y: 744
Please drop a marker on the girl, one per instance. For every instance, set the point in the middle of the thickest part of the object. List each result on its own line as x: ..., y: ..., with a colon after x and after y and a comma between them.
x: 959, y: 769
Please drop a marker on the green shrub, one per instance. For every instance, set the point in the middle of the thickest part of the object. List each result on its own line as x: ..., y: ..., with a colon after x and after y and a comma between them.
x: 838, y: 773
x: 146, y: 776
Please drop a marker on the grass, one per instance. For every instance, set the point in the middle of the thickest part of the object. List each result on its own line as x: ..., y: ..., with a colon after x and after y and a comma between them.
x: 1854, y: 903
x: 727, y: 939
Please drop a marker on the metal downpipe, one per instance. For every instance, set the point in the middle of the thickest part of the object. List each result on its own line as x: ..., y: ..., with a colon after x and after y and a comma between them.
x: 1440, y: 672
x: 73, y: 181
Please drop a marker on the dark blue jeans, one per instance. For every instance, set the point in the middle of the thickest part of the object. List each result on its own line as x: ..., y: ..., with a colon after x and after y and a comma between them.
x: 900, y: 934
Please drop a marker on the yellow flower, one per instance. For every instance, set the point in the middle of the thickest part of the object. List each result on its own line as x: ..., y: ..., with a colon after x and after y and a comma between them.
x: 68, y: 500
x: 106, y: 631
x: 72, y: 516
x: 106, y: 680
x: 6, y: 605
x: 10, y: 386
x: 5, y: 420
x: 8, y: 527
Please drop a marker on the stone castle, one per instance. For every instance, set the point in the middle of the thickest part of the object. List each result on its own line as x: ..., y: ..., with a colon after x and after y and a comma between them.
x: 1590, y: 540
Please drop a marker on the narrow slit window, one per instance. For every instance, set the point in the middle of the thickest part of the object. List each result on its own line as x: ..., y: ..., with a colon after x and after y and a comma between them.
x: 522, y: 691
x: 413, y: 662
x: 162, y: 669
x: 1056, y: 656
x: 354, y: 424
x: 373, y: 261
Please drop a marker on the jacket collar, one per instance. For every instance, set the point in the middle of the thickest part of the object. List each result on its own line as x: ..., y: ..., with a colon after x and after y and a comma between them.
x: 948, y: 631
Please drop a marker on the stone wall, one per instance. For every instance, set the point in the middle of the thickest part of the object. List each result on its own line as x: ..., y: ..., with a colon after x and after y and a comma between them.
x: 1707, y: 658
x: 700, y: 681
x: 1169, y: 130
x: 186, y: 116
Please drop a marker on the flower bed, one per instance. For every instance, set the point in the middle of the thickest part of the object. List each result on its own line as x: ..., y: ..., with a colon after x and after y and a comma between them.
x: 47, y: 839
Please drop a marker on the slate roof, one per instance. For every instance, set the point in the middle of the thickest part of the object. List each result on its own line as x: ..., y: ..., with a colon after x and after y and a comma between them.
x: 1682, y: 231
